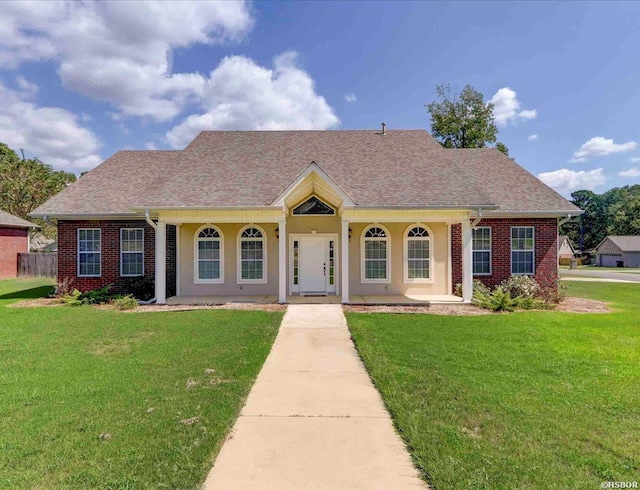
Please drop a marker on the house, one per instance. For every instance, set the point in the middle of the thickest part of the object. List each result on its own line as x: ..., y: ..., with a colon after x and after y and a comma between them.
x: 14, y: 239
x: 565, y: 248
x: 618, y: 251
x: 348, y: 214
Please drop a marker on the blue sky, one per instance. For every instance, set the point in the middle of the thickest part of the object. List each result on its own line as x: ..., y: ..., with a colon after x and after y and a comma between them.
x: 81, y: 81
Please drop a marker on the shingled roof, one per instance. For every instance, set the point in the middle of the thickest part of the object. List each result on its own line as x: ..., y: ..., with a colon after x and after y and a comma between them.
x: 113, y: 187
x: 10, y: 221
x: 626, y: 243
x: 251, y: 168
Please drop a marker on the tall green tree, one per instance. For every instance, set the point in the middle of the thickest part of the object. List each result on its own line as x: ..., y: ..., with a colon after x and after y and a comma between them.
x: 25, y: 184
x: 615, y: 212
x: 463, y: 120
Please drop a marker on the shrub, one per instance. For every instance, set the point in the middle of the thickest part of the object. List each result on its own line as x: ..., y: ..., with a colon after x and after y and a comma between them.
x: 64, y: 287
x: 72, y: 298
x: 142, y: 288
x: 521, y: 286
x: 97, y: 296
x: 496, y: 300
x: 127, y: 302
x: 478, y: 285
x: 551, y: 290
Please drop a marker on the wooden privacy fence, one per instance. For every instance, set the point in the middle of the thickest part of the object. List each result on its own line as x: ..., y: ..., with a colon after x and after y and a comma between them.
x: 41, y: 264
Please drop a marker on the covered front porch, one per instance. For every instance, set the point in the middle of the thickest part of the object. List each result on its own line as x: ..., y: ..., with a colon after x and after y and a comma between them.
x: 313, y: 245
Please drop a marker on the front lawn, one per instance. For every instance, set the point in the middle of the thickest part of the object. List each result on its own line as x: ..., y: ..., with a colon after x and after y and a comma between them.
x: 102, y: 399
x: 522, y: 400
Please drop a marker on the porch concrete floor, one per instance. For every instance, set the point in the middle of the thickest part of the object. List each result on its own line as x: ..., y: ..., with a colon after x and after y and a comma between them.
x: 391, y: 299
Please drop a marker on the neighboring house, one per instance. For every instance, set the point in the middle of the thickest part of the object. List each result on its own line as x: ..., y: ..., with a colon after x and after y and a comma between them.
x: 618, y: 251
x: 565, y: 248
x: 14, y: 239
x: 286, y: 213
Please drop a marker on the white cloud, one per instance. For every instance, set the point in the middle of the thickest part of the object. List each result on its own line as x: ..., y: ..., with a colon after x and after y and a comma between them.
x: 350, y: 98
x: 598, y: 147
x: 632, y: 172
x: 52, y: 134
x: 241, y: 95
x: 533, y: 137
x: 566, y: 181
x: 634, y: 159
x: 120, y: 52
x: 507, y: 108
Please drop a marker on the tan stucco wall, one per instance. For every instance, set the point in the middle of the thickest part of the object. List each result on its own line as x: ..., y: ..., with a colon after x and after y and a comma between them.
x: 321, y: 224
x: 230, y: 286
x: 439, y: 248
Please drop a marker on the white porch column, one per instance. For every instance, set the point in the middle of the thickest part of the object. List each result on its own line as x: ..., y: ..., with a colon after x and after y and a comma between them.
x: 344, y: 270
x: 282, y: 262
x: 467, y: 258
x: 161, y: 262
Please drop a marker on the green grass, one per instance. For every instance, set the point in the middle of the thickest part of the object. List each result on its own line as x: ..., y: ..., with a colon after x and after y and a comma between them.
x: 68, y: 375
x: 523, y: 400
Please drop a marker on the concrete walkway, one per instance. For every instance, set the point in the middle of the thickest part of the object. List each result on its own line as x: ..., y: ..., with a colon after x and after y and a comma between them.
x: 313, y: 419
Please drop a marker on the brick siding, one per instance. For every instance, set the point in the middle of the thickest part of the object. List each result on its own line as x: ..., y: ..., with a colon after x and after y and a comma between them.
x: 546, y: 249
x: 12, y: 242
x: 110, y: 235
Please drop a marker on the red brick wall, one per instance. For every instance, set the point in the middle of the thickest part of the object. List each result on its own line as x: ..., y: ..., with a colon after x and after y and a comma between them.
x: 546, y: 248
x: 68, y: 252
x: 12, y: 242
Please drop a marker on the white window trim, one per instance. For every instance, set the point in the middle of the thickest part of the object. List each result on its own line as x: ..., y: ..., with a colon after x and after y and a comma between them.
x: 490, y: 273
x: 196, y: 268
x: 533, y: 234
x: 335, y: 212
x: 405, y: 255
x: 122, y: 252
x: 363, y: 279
x: 78, y: 252
x: 264, y: 256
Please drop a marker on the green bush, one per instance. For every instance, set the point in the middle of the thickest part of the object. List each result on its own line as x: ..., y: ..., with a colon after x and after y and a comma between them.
x: 496, y: 300
x: 521, y: 286
x: 127, y: 302
x: 142, y: 288
x: 72, y: 298
x: 97, y: 296
x: 478, y: 285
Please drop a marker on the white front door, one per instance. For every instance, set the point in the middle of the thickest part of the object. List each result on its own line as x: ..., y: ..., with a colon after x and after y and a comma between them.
x: 313, y: 266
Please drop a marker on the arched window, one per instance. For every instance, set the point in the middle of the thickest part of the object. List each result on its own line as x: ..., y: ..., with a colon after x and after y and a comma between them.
x: 417, y: 254
x: 209, y: 258
x: 252, y: 255
x: 375, y: 254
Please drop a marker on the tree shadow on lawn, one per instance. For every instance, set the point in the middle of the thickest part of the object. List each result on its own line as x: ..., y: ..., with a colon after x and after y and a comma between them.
x: 39, y: 292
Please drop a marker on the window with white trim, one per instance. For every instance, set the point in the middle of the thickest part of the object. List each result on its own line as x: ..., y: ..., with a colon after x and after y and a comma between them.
x: 209, y: 255
x: 252, y: 255
x: 417, y: 254
x: 131, y: 252
x: 482, y: 250
x: 89, y: 252
x: 522, y: 250
x: 375, y: 253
